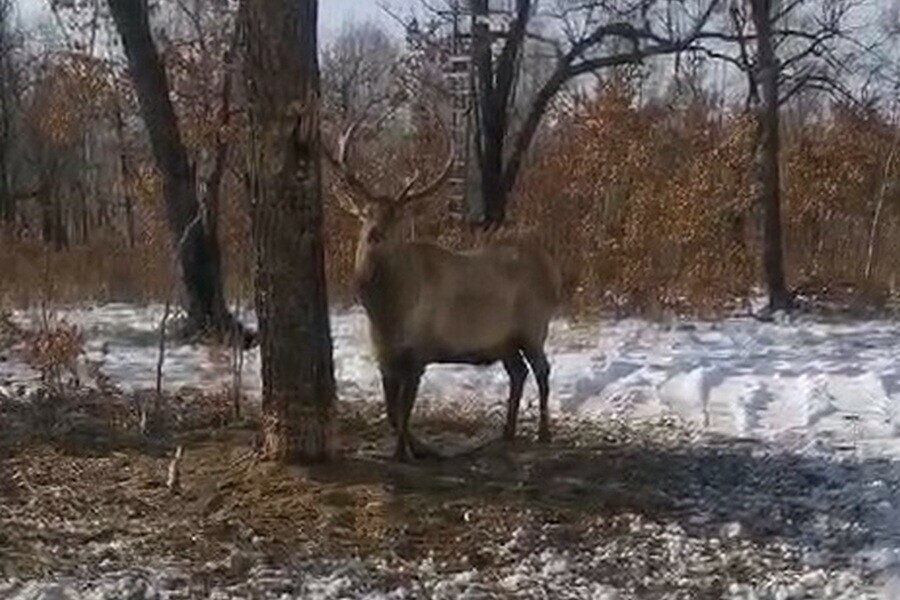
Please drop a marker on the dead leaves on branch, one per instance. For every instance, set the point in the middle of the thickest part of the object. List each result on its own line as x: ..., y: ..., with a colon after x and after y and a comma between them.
x: 657, y: 202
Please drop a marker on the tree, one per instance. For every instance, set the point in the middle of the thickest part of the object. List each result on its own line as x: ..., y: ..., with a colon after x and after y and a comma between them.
x: 191, y: 226
x: 282, y: 77
x: 7, y: 92
x: 783, y: 50
x: 769, y: 184
x: 357, y: 68
x: 597, y: 35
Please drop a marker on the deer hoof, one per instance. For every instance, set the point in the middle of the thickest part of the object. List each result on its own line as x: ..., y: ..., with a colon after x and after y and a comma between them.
x: 422, y: 450
x: 402, y: 452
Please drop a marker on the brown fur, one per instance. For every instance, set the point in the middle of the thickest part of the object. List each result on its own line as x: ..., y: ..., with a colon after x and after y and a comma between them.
x: 428, y: 305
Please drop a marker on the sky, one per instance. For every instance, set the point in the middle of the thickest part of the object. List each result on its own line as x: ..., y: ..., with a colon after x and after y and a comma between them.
x: 332, y: 13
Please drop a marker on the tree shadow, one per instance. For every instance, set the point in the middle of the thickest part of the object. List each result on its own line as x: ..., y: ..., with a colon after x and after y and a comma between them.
x: 721, y: 488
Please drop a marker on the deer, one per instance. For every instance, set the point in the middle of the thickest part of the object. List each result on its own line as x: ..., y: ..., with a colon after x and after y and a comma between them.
x: 427, y: 304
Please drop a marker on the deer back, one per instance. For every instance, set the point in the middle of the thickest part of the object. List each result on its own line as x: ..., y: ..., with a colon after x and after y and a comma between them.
x: 447, y: 306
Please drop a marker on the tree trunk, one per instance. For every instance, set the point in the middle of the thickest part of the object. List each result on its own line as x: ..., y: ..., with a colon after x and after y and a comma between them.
x: 7, y: 201
x: 768, y: 148
x: 199, y: 254
x: 125, y: 178
x: 281, y: 69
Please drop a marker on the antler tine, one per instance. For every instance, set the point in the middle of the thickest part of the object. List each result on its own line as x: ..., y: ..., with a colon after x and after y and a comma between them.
x: 408, y: 193
x: 409, y: 185
x: 347, y: 174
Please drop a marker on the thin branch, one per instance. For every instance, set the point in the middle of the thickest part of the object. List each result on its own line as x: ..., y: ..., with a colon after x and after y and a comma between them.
x: 882, y: 192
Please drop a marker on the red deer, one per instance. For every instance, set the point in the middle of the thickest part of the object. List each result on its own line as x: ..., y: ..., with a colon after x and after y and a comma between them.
x: 426, y: 304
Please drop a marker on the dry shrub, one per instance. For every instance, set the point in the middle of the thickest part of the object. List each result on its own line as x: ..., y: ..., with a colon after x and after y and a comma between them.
x: 102, y: 271
x: 54, y: 350
x: 648, y: 209
x: 834, y: 174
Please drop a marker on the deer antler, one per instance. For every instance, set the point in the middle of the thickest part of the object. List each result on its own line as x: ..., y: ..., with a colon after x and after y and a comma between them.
x: 347, y: 173
x: 359, y: 187
x: 410, y: 182
x: 409, y: 194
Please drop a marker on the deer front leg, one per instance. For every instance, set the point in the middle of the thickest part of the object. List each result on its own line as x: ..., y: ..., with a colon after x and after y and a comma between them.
x: 406, y: 398
x: 518, y: 373
x: 390, y: 382
x: 417, y: 448
x: 401, y: 385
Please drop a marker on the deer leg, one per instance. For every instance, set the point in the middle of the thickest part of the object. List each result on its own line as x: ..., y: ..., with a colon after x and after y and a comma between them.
x: 540, y: 366
x: 391, y: 384
x: 416, y: 447
x: 407, y: 445
x: 518, y: 373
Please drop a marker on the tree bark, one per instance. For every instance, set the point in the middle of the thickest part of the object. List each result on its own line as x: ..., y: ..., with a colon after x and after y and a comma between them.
x: 199, y: 255
x: 281, y: 69
x: 494, y: 91
x: 7, y: 200
x: 768, y: 148
x: 125, y: 178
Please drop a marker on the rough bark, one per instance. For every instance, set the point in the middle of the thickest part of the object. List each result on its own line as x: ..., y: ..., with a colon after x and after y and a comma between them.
x: 199, y: 257
x: 494, y: 86
x: 281, y: 69
x: 125, y: 175
x: 768, y: 147
x: 7, y: 200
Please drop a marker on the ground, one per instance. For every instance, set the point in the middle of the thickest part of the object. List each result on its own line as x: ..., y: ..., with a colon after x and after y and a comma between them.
x: 644, y: 493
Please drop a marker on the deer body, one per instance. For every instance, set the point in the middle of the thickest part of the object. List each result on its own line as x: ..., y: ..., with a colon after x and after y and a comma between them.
x: 427, y: 304
x: 438, y: 306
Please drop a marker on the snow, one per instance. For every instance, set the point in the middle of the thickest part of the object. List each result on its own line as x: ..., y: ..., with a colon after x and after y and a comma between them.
x: 798, y: 382
x: 828, y: 388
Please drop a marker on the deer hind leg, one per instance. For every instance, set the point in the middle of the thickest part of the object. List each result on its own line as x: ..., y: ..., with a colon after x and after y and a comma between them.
x: 540, y: 366
x: 518, y: 373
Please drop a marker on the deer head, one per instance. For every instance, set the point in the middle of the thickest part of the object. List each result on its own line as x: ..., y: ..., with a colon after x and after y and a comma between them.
x: 381, y: 215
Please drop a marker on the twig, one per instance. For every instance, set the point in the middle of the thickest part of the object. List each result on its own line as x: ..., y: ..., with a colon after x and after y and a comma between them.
x: 237, y: 365
x: 161, y: 356
x: 882, y: 192
x: 173, y: 481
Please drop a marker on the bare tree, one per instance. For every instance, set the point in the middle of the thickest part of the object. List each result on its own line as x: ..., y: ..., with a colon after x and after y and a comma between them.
x: 200, y: 259
x: 282, y: 77
x: 579, y: 38
x: 7, y: 200
x: 769, y: 183
x: 783, y: 50
x: 357, y: 68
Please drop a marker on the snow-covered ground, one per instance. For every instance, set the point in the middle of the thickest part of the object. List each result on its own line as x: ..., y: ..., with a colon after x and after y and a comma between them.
x: 828, y: 389
x: 804, y: 381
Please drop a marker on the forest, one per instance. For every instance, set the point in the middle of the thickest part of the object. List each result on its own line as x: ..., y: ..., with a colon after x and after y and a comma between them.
x: 251, y: 250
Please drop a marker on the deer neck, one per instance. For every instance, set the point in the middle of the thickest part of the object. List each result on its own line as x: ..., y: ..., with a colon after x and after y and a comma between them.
x: 385, y: 283
x: 376, y: 276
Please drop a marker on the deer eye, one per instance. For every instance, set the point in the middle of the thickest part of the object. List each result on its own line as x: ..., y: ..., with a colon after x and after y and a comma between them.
x: 375, y: 236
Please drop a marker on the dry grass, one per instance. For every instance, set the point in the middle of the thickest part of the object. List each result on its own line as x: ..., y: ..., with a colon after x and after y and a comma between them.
x: 66, y: 497
x: 94, y: 499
